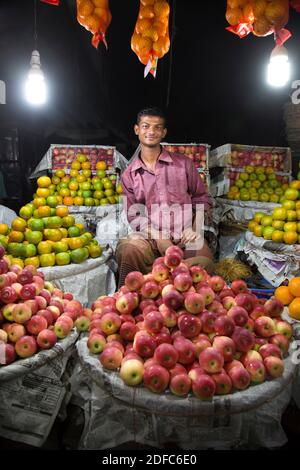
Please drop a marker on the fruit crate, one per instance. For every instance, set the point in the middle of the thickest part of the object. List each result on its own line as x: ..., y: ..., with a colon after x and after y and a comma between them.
x: 62, y: 156
x: 199, y: 153
x: 239, y: 156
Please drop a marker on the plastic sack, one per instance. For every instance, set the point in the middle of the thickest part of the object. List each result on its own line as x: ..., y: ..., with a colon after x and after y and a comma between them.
x: 150, y: 40
x: 95, y: 16
x: 260, y: 17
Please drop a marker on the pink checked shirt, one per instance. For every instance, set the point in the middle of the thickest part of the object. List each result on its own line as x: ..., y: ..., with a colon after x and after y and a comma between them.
x: 175, y: 181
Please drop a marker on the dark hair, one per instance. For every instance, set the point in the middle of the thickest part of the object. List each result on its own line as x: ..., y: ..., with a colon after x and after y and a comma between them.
x: 151, y: 112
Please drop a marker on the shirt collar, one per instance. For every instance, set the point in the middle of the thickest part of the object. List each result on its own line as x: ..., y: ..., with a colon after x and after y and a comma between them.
x: 163, y: 157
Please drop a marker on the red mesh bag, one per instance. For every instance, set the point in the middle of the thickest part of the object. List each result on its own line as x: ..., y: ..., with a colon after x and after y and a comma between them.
x: 260, y: 17
x: 95, y: 16
x: 150, y: 40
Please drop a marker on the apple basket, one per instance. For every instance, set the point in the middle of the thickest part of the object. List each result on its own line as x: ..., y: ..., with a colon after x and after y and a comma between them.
x: 32, y: 392
x: 136, y: 414
x: 240, y: 156
x: 199, y: 153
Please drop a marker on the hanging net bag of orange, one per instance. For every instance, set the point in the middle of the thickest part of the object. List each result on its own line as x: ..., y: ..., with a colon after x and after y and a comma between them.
x: 150, y: 40
x: 95, y: 16
x: 260, y: 17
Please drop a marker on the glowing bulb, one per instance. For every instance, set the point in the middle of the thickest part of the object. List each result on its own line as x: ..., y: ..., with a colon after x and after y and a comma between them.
x: 35, y: 87
x: 279, y: 67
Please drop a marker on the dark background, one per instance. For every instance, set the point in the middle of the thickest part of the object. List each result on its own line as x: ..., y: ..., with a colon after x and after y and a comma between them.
x: 211, y: 83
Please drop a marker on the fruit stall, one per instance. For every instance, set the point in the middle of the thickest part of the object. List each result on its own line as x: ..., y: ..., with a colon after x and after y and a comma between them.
x: 217, y: 356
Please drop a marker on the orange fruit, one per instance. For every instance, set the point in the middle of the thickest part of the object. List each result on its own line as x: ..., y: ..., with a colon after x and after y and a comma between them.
x: 294, y: 286
x: 43, y: 181
x: 44, y: 211
x: 74, y: 231
x: 39, y: 201
x: 294, y: 308
x: 68, y: 200
x: 290, y: 238
x: 74, y: 173
x: 284, y: 295
x: 62, y: 258
x: 76, y: 165
x: 64, y: 232
x: 34, y: 261
x: 18, y: 261
x: 73, y: 185
x: 44, y: 247
x: 15, y: 236
x: 75, y: 243
x: 295, y: 184
x: 101, y: 165
x: 43, y: 192
x: 85, y: 165
x: 59, y: 174
x: 78, y: 201
x: 4, y: 229
x: 62, y: 211
x: 55, y: 180
x: 19, y: 224
x: 81, y: 178
x: 47, y: 260
x: 25, y: 212
x: 64, y: 192
x: 277, y: 236
x: 53, y: 234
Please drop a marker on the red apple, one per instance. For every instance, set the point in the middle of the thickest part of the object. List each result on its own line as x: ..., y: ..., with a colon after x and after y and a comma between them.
x: 240, y: 377
x: 189, y: 325
x: 274, y: 366
x: 264, y: 326
x: 134, y: 280
x: 211, y: 360
x: 238, y: 286
x: 186, y: 350
x: 180, y: 385
x: 46, y: 339
x: 257, y: 371
x: 204, y: 387
x: 224, y: 326
x: 156, y: 378
x: 111, y: 358
x: 26, y: 346
x: 239, y: 315
x: 223, y: 383
x: 225, y: 346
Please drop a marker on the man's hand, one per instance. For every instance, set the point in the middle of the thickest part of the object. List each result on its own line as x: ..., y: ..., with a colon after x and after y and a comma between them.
x: 189, y: 236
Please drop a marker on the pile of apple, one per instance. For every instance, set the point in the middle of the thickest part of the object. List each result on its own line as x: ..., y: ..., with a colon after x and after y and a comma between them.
x: 63, y: 157
x: 241, y: 157
x: 180, y: 328
x: 196, y: 152
x: 33, y: 313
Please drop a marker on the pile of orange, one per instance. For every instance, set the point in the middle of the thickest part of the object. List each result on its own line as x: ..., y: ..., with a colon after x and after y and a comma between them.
x: 78, y: 188
x: 283, y: 225
x: 45, y: 234
x: 290, y: 296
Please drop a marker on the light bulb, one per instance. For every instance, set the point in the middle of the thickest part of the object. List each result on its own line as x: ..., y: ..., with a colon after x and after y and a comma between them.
x: 279, y: 71
x: 35, y: 87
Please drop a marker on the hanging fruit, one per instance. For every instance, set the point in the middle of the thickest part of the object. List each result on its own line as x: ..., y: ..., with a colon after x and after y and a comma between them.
x: 95, y: 16
x: 261, y: 17
x: 150, y: 40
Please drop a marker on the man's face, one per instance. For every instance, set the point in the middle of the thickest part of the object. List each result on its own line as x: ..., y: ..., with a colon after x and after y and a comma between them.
x: 150, y: 130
